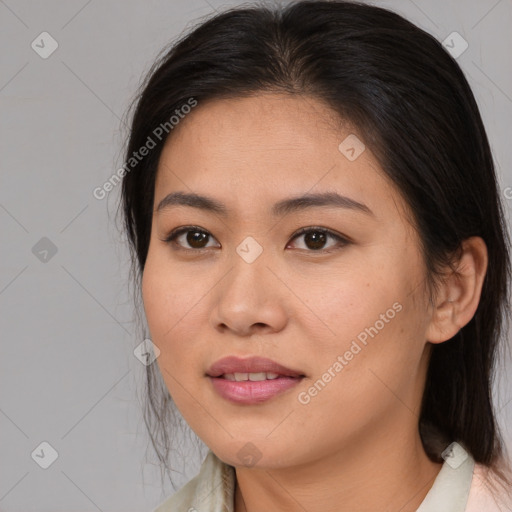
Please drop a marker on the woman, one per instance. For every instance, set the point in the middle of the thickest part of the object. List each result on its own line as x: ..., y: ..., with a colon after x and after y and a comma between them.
x: 323, y: 263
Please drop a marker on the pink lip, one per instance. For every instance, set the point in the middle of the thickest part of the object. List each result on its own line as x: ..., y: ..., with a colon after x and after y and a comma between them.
x: 251, y: 392
x: 233, y: 364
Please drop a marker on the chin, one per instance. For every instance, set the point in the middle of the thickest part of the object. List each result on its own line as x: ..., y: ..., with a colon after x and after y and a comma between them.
x: 254, y: 454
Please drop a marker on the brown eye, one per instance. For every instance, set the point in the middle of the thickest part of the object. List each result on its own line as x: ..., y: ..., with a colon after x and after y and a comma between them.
x: 315, y: 239
x: 318, y: 239
x: 191, y: 238
x: 197, y: 239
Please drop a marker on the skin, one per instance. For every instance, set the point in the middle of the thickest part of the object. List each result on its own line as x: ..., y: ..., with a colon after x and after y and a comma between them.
x: 355, y: 445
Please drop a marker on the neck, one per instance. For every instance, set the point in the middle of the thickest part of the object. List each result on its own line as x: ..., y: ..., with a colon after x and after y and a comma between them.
x: 386, y: 474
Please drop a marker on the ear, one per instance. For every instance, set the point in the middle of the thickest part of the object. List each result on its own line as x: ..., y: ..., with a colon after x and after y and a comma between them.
x: 459, y: 292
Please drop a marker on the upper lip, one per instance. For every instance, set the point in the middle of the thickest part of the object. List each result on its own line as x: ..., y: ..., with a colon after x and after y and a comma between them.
x: 233, y: 364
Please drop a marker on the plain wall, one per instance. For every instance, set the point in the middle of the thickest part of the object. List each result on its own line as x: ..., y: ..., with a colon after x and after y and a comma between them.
x: 68, y: 375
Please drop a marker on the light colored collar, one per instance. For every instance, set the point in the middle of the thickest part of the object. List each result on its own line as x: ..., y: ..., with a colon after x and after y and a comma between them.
x: 450, y: 490
x: 212, y: 490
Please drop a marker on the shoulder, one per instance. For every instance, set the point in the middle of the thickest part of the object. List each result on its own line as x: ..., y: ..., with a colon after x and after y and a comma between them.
x: 483, y: 495
x: 212, y: 489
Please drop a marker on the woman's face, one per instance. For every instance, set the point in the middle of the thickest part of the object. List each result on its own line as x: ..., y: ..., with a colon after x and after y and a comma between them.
x: 347, y: 315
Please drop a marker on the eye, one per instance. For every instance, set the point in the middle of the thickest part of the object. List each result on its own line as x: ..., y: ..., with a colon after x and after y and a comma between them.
x: 316, y: 238
x: 195, y: 237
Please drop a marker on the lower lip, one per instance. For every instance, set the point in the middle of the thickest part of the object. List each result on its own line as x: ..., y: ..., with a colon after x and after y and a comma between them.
x: 252, y: 392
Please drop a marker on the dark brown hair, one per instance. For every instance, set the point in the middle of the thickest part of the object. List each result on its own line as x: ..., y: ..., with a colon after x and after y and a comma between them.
x: 414, y: 108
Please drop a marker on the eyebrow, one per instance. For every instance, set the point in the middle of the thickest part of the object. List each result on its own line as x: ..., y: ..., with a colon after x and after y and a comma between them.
x: 280, y: 208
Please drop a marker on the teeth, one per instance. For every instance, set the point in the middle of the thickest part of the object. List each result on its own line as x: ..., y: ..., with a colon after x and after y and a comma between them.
x: 239, y: 377
x: 257, y: 376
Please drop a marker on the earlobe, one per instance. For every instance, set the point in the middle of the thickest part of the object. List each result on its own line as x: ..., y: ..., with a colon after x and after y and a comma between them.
x: 459, y: 293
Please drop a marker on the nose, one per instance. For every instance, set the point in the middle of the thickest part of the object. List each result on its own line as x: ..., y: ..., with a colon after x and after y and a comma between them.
x: 249, y: 300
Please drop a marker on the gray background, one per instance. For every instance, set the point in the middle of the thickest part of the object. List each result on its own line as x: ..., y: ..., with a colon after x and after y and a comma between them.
x: 68, y: 373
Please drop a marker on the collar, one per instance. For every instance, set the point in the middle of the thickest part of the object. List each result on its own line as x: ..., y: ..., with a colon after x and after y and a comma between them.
x: 212, y: 490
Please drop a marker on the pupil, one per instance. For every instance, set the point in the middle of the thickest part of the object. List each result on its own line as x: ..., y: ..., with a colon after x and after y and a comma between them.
x: 194, y: 238
x: 315, y: 239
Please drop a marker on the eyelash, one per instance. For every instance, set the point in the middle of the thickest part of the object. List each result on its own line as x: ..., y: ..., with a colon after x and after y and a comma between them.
x: 341, y: 241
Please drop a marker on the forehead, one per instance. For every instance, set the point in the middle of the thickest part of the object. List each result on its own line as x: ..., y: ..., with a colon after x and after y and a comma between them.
x: 264, y: 147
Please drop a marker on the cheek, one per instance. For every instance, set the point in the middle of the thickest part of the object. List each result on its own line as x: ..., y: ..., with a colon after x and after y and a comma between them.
x: 169, y: 294
x: 347, y: 304
x: 173, y: 301
x: 375, y: 368
x: 156, y: 300
x: 375, y: 338
x: 164, y: 306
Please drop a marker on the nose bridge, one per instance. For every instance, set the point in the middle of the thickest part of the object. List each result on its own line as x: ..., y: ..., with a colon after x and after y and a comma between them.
x: 247, y: 275
x: 246, y: 296
x: 247, y: 259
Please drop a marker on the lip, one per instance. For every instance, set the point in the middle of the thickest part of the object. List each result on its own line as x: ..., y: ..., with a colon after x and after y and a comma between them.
x: 251, y: 392
x: 233, y: 364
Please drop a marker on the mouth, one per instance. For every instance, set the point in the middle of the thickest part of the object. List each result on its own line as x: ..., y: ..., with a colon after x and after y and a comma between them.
x: 251, y: 368
x: 251, y: 381
x: 253, y: 377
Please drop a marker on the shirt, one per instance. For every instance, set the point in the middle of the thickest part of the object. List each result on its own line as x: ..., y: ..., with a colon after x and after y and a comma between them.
x: 455, y: 489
